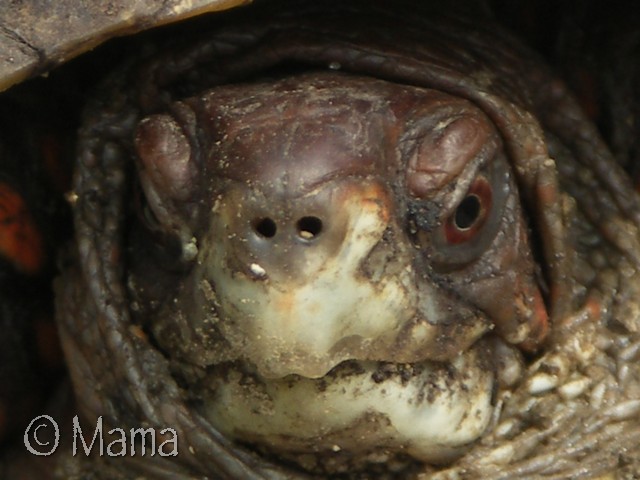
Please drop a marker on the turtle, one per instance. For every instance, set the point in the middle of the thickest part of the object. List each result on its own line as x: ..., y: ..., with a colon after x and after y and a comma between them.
x: 331, y: 240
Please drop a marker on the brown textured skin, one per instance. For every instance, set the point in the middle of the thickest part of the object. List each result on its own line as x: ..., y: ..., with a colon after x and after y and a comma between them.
x: 589, y: 243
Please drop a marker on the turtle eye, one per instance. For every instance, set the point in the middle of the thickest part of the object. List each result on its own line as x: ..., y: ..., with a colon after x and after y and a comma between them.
x: 470, y: 215
x: 455, y: 235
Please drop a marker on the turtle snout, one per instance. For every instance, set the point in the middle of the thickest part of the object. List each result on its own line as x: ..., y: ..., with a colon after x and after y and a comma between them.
x: 284, y: 239
x: 288, y: 241
x: 290, y: 278
x: 305, y: 229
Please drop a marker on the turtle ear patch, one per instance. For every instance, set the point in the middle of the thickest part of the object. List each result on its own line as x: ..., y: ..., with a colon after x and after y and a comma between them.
x: 167, y: 176
x: 444, y: 153
x: 165, y: 156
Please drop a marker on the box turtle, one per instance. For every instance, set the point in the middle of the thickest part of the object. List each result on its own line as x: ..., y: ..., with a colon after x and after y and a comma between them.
x: 338, y: 239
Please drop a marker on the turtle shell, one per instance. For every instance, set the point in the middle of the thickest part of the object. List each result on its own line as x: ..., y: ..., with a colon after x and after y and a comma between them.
x: 38, y: 36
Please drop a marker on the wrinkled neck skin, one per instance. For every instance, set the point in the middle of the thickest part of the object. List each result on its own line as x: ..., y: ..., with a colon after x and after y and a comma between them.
x: 435, y: 275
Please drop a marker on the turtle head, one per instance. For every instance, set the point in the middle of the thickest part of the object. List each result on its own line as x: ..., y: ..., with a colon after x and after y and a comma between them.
x: 354, y: 253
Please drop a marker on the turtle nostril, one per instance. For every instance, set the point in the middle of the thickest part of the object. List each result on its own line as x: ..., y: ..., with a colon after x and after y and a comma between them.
x: 265, y: 227
x: 309, y: 227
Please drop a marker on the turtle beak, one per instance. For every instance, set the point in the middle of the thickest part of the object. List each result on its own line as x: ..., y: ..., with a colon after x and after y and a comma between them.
x: 296, y: 281
x: 304, y: 284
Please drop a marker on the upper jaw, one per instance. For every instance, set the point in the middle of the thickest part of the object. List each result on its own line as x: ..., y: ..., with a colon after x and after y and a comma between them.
x: 301, y: 308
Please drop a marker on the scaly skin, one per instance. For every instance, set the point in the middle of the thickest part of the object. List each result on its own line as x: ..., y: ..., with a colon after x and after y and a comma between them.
x: 573, y: 413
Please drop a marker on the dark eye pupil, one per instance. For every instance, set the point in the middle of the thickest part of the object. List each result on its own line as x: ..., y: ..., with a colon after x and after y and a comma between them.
x: 467, y: 212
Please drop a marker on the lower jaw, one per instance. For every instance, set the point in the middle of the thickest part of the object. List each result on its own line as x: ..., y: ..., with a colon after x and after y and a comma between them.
x: 360, y: 414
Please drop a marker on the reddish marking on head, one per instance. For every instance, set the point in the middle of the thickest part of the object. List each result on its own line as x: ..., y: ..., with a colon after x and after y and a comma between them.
x: 539, y: 322
x: 373, y: 198
x: 20, y: 239
x: 138, y: 333
x: 594, y: 306
x: 547, y: 194
x: 285, y: 305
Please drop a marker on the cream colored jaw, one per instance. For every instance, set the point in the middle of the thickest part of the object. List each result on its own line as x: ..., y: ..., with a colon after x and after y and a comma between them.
x: 326, y: 312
